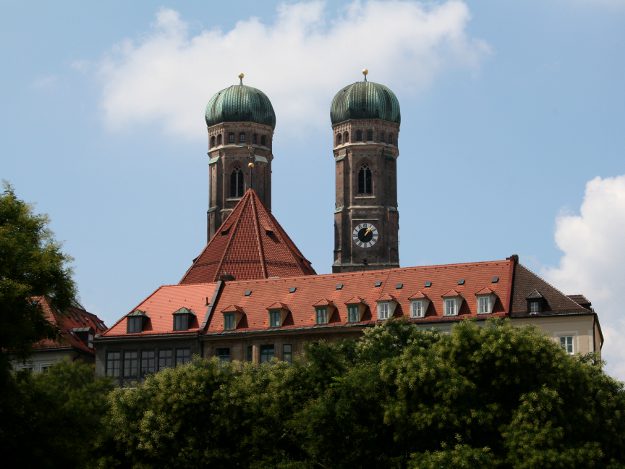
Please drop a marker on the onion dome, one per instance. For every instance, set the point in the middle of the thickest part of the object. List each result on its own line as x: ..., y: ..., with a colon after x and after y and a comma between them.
x: 365, y: 100
x: 240, y: 103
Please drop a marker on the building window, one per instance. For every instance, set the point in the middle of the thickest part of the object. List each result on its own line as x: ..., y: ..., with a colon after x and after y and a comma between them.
x: 381, y: 135
x: 165, y: 359
x: 242, y: 137
x: 183, y: 355
x: 212, y: 141
x: 369, y: 135
x: 218, y: 139
x: 322, y: 315
x: 484, y: 305
x: 254, y: 139
x: 535, y: 306
x: 135, y: 324
x: 181, y: 322
x: 90, y: 340
x: 266, y: 353
x: 338, y: 139
x: 231, y: 137
x: 287, y: 353
x: 275, y: 318
x: 148, y: 362
x: 566, y: 342
x: 113, y: 363
x: 236, y: 183
x: 223, y: 353
x: 451, y: 307
x: 229, y: 323
x: 384, y: 310
x: 417, y: 310
x: 359, y: 135
x: 346, y: 137
x: 364, y: 180
x: 131, y: 364
x: 249, y: 353
x: 353, y: 313
x: 263, y: 140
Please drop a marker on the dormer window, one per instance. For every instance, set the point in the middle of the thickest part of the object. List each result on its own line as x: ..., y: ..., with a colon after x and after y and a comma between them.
x: 485, y: 301
x: 419, y: 304
x: 355, y: 309
x: 535, y: 302
x: 386, y: 307
x: 135, y: 321
x: 182, y: 319
x: 353, y: 315
x: 452, y: 300
x: 322, y: 314
x: 275, y: 319
x: 232, y: 317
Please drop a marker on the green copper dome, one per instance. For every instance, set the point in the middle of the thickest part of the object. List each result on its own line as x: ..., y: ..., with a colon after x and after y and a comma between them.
x: 240, y: 103
x: 365, y: 100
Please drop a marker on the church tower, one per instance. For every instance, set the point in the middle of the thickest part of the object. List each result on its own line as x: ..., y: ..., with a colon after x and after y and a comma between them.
x: 240, y: 121
x: 365, y: 123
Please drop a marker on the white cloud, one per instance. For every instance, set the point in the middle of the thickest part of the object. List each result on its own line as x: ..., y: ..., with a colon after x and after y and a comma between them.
x: 300, y: 60
x: 593, y: 261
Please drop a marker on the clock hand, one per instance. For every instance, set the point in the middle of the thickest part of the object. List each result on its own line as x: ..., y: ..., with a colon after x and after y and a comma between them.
x: 369, y: 230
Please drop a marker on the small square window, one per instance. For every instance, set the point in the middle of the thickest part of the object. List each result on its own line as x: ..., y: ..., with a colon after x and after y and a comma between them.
x: 275, y: 318
x: 353, y: 314
x: 384, y: 310
x: 451, y: 307
x: 417, y: 310
x: 135, y: 324
x: 322, y: 315
x: 229, y: 321
x: 566, y: 342
x: 484, y: 304
x: 535, y: 306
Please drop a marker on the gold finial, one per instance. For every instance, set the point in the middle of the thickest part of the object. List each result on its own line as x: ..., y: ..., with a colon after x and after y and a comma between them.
x: 250, y: 165
x: 241, y: 76
x: 365, y: 72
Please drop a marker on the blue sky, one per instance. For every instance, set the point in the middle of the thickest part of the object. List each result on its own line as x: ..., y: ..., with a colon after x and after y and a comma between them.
x: 512, y: 137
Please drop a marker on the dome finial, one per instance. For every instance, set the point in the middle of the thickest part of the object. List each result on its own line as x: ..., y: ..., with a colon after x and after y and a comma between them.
x: 241, y: 76
x: 365, y: 72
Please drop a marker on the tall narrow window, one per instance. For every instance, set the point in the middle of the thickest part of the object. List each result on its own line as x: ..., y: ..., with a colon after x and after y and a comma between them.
x: 322, y: 315
x: 384, y: 310
x: 417, y: 310
x: 364, y: 180
x: 353, y: 315
x: 236, y: 183
x: 242, y: 137
x: 338, y: 139
x: 113, y: 364
x: 369, y: 135
x: 381, y: 135
x: 359, y: 135
x: 287, y: 353
x: 566, y: 342
x: 346, y: 137
x: 148, y: 362
x: 218, y: 139
x: 255, y: 139
x: 263, y: 140
x: 165, y: 359
x: 212, y: 141
x: 275, y: 318
x: 231, y: 137
x: 229, y: 321
x: 391, y: 138
x: 131, y: 364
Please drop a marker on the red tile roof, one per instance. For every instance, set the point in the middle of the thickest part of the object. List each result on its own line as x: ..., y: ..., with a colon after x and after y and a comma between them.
x: 357, y: 285
x: 160, y: 306
x: 250, y: 244
x: 74, y: 317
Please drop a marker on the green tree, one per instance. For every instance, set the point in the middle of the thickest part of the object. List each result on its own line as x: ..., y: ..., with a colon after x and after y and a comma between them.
x: 31, y: 264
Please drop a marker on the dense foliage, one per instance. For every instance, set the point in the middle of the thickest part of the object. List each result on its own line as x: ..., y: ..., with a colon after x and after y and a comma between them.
x: 492, y: 396
x: 31, y: 264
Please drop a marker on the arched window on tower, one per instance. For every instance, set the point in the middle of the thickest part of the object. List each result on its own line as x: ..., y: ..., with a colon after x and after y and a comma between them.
x: 255, y: 139
x: 242, y: 137
x: 369, y: 135
x: 218, y: 139
x: 263, y: 140
x: 381, y: 134
x: 346, y: 137
x: 359, y: 135
x: 212, y: 144
x: 236, y: 182
x: 391, y: 139
x: 231, y: 137
x: 364, y: 180
x: 338, y: 139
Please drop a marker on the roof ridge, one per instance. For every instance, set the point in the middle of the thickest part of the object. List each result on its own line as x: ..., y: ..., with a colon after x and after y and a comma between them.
x: 232, y: 230
x: 261, y: 251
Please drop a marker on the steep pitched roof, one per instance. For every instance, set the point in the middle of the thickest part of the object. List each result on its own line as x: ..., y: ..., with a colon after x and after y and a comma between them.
x: 69, y: 323
x: 160, y: 306
x: 250, y: 244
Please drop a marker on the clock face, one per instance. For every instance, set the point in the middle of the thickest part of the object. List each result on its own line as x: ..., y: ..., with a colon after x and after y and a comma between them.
x: 365, y: 235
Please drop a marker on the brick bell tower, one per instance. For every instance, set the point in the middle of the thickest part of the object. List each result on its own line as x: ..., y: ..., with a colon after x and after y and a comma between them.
x: 365, y: 123
x: 240, y: 121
